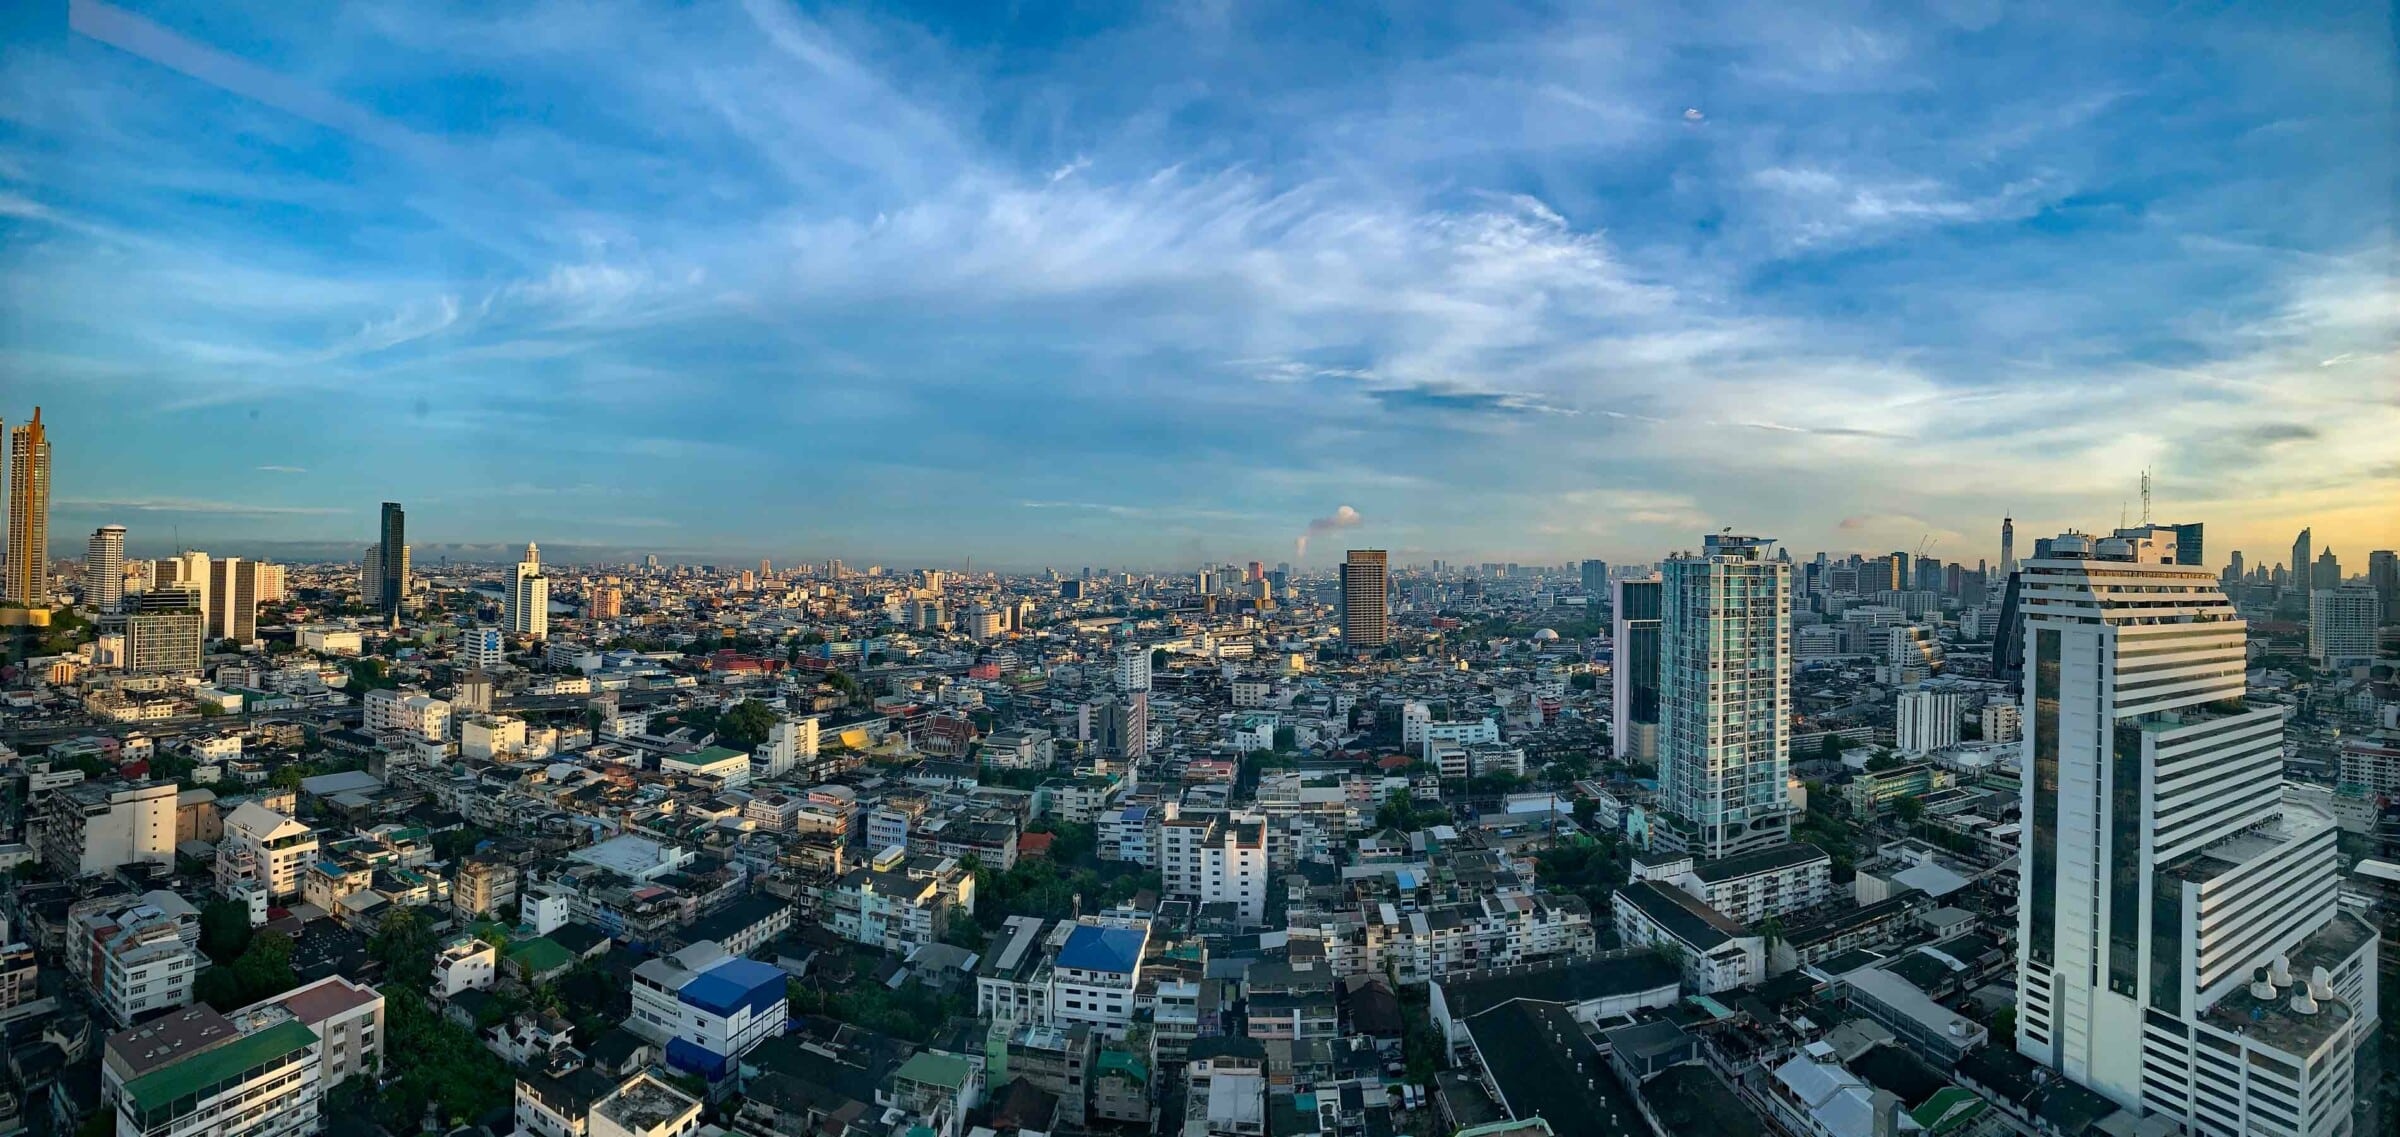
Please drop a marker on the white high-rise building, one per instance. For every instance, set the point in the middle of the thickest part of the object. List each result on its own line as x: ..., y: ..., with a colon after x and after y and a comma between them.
x: 1217, y: 860
x: 527, y: 603
x: 1928, y: 720
x: 1725, y: 675
x: 2183, y: 947
x: 2341, y: 625
x: 104, y: 569
x: 1133, y: 668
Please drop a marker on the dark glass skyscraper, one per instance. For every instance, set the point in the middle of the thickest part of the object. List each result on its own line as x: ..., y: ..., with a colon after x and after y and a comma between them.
x: 393, y: 564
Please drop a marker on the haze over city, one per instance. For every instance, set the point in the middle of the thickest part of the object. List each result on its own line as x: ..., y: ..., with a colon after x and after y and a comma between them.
x: 1038, y: 287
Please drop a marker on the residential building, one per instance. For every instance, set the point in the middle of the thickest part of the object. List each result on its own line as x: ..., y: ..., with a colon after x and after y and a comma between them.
x: 526, y: 603
x: 104, y: 569
x: 1217, y: 860
x: 197, y: 1073
x: 407, y: 712
x: 898, y: 902
x: 138, y: 959
x: 1725, y: 698
x: 233, y: 592
x: 1716, y: 953
x: 483, y: 649
x: 98, y: 827
x: 1750, y: 887
x: 25, y: 575
x: 2183, y: 948
x: 347, y: 1019
x: 1133, y: 668
x: 1365, y: 592
x: 1096, y: 972
x: 1928, y: 720
x: 481, y: 887
x: 165, y: 632
x: 263, y: 849
x: 466, y: 963
x: 2341, y: 625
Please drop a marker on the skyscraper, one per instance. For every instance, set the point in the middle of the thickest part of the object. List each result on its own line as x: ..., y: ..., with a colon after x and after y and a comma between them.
x: 233, y: 594
x: 391, y: 565
x: 526, y: 605
x: 2302, y: 557
x: 1365, y: 619
x: 2190, y: 549
x: 2233, y: 568
x: 1595, y: 578
x: 2341, y: 626
x: 1633, y: 673
x: 104, y: 569
x: 2008, y: 545
x: 25, y: 579
x: 2180, y: 928
x: 2383, y: 575
x: 1725, y: 668
x: 2327, y: 573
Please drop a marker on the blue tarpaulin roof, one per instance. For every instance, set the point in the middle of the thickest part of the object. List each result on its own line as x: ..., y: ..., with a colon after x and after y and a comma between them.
x: 733, y: 984
x: 1092, y: 948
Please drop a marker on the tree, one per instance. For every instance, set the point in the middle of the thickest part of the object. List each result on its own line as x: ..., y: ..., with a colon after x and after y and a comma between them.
x: 289, y: 776
x: 405, y: 945
x: 1884, y: 762
x: 2004, y: 1026
x: 1909, y: 809
x: 1830, y: 750
x: 745, y: 726
x: 225, y: 930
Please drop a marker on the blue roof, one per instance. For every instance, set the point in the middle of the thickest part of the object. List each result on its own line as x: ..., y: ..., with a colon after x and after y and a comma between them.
x: 733, y: 984
x: 1091, y: 948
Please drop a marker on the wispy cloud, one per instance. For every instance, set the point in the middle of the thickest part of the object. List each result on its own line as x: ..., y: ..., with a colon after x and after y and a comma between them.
x: 284, y: 469
x: 194, y: 506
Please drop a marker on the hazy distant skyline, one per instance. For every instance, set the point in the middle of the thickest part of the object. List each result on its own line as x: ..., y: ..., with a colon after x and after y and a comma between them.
x: 913, y: 283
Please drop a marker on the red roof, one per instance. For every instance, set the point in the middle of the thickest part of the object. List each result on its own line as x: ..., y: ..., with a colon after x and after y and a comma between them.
x: 1393, y: 762
x: 1034, y: 844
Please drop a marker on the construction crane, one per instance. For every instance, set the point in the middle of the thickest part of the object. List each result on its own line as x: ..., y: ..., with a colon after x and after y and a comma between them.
x: 2145, y: 495
x: 1926, y: 543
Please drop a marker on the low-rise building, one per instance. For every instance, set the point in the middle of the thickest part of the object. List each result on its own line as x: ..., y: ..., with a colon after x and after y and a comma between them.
x: 1717, y: 953
x: 197, y: 1073
x: 707, y: 1008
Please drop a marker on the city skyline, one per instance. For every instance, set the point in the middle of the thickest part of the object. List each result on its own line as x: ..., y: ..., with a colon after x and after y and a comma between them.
x: 1043, y: 290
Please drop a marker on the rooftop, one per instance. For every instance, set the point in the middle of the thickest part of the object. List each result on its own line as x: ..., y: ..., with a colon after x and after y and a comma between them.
x: 1095, y: 948
x: 228, y: 1059
x: 644, y: 1103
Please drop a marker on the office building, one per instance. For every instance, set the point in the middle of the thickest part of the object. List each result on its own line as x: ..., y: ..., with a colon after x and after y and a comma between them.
x: 526, y: 606
x: 1725, y: 666
x: 2183, y: 948
x: 1365, y: 587
x: 1123, y: 726
x: 1595, y: 578
x: 372, y: 580
x: 2383, y: 575
x: 104, y: 569
x: 707, y: 1007
x: 2341, y: 625
x: 484, y: 649
x: 2303, y: 558
x: 233, y: 591
x: 165, y: 631
x: 391, y: 564
x: 25, y: 578
x: 2190, y: 549
x: 1928, y: 720
x: 2327, y: 573
x: 97, y: 827
x: 1634, y: 673
x: 2233, y: 568
x: 197, y: 1073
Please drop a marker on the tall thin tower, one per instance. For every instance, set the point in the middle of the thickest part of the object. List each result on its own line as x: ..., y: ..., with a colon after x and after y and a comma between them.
x: 1365, y: 599
x: 2008, y: 545
x: 2181, y: 928
x: 104, y: 569
x: 527, y: 602
x: 391, y: 565
x: 25, y: 579
x: 1725, y: 682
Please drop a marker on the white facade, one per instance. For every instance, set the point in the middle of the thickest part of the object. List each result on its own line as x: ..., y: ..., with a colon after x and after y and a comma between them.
x: 1217, y: 860
x: 104, y: 569
x: 2341, y: 626
x: 527, y: 604
x: 411, y: 713
x: 2183, y: 947
x: 465, y: 964
x: 1725, y: 666
x: 1133, y: 668
x: 789, y: 742
x: 490, y: 736
x: 264, y: 848
x: 1928, y: 720
x: 483, y: 649
x: 275, y: 1094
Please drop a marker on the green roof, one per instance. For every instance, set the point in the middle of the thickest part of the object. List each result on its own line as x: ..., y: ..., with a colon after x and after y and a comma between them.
x: 925, y: 1066
x: 540, y: 954
x: 712, y: 755
x: 1949, y: 1109
x: 1118, y: 1061
x: 198, y: 1075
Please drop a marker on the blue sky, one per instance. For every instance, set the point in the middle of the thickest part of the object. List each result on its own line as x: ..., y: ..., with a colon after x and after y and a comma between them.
x: 1117, y: 284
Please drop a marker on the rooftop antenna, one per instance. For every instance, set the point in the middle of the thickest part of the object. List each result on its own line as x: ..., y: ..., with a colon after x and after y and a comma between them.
x: 2145, y: 496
